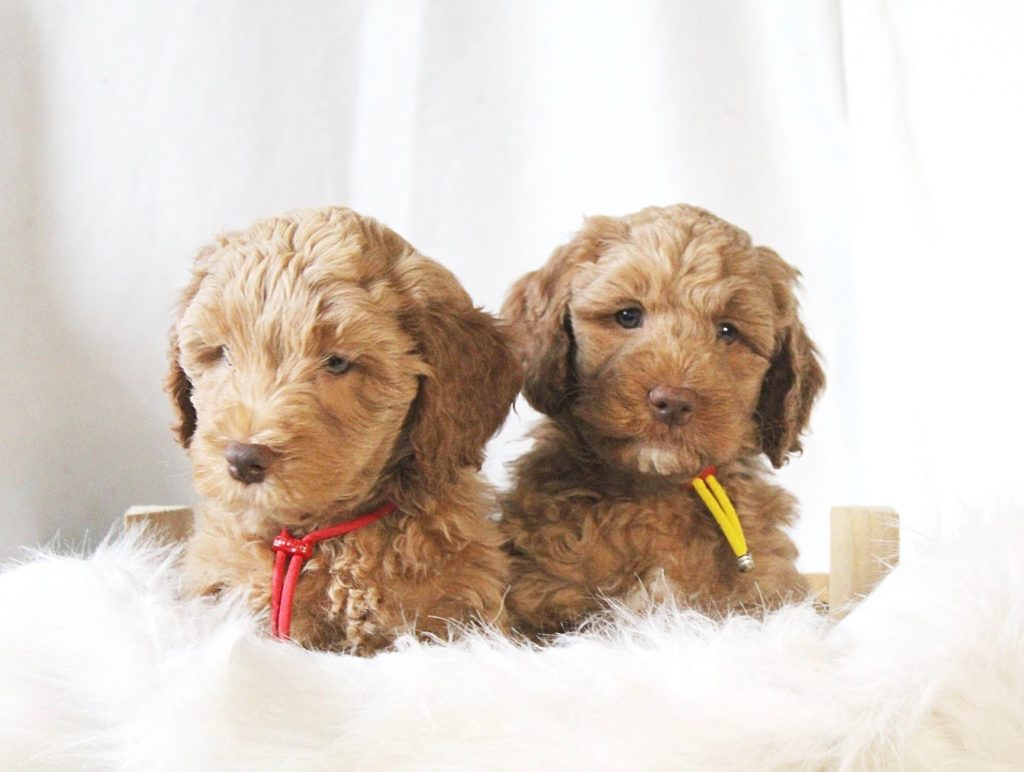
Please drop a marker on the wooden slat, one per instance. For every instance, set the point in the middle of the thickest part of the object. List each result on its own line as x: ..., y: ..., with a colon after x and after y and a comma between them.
x: 819, y: 587
x: 167, y: 524
x: 865, y: 546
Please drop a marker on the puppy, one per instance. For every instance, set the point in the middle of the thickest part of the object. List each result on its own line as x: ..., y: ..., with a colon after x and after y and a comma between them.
x: 657, y: 345
x: 321, y: 369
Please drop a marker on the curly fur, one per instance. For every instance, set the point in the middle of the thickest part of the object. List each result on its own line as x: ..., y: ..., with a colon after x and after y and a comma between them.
x: 432, y: 378
x: 601, y: 506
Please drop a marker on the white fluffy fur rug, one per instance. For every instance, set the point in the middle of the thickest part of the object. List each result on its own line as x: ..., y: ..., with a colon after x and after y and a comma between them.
x: 102, y: 667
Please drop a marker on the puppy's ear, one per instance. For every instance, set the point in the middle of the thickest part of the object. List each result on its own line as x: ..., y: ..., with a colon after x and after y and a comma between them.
x: 537, y: 308
x: 795, y: 377
x: 176, y: 382
x: 473, y: 375
x: 179, y: 389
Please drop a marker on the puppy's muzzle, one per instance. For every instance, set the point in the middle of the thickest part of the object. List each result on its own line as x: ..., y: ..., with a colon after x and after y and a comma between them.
x: 672, y: 405
x: 248, y: 463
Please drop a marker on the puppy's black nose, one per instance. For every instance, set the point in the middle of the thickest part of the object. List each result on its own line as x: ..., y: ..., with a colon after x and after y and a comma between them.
x: 672, y: 405
x: 248, y: 463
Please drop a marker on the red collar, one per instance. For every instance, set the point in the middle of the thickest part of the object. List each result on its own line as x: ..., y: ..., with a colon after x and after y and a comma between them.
x: 282, y: 587
x: 708, y: 471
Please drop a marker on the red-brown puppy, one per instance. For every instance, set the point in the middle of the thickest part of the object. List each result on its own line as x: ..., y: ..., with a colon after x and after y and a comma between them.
x: 657, y: 344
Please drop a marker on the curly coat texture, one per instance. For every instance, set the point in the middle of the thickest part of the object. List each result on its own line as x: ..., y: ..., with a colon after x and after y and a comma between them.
x: 430, y: 379
x: 601, y: 507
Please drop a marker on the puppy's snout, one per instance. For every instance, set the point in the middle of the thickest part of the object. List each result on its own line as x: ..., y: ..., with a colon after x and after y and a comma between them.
x: 672, y: 405
x: 248, y: 463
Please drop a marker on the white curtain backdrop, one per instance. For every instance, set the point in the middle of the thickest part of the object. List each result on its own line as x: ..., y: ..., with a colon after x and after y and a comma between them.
x: 875, y: 145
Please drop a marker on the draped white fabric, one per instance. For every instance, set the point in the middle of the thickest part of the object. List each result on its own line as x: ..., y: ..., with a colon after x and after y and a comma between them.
x: 875, y: 145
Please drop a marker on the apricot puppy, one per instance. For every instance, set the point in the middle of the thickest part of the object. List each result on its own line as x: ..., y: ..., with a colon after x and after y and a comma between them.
x: 322, y: 368
x: 656, y: 344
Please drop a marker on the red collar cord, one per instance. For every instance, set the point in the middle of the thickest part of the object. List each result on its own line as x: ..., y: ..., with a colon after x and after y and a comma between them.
x: 282, y: 587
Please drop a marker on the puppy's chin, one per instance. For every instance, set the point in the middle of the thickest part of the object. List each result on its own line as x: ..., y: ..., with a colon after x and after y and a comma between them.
x: 661, y: 459
x: 658, y: 454
x: 257, y: 503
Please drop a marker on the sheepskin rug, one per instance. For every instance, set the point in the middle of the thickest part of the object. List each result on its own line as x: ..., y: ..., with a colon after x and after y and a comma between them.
x: 103, y: 666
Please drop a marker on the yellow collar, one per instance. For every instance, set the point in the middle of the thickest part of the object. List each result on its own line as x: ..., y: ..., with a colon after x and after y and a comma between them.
x: 717, y: 502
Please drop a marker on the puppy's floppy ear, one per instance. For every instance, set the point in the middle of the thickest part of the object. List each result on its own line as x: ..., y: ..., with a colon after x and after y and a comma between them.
x: 795, y: 377
x: 537, y: 307
x: 176, y: 382
x: 473, y: 375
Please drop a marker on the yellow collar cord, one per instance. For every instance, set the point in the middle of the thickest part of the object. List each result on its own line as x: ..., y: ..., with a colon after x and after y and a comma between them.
x: 717, y: 502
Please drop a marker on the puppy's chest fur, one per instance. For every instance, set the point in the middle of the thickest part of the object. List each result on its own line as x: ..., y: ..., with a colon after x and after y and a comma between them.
x: 338, y: 600
x: 574, y: 547
x: 360, y: 591
x: 346, y: 606
x: 624, y: 536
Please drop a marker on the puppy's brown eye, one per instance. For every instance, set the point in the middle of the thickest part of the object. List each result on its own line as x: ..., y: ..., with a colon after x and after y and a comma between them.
x: 629, y: 318
x: 336, y: 365
x: 224, y: 355
x: 728, y: 332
